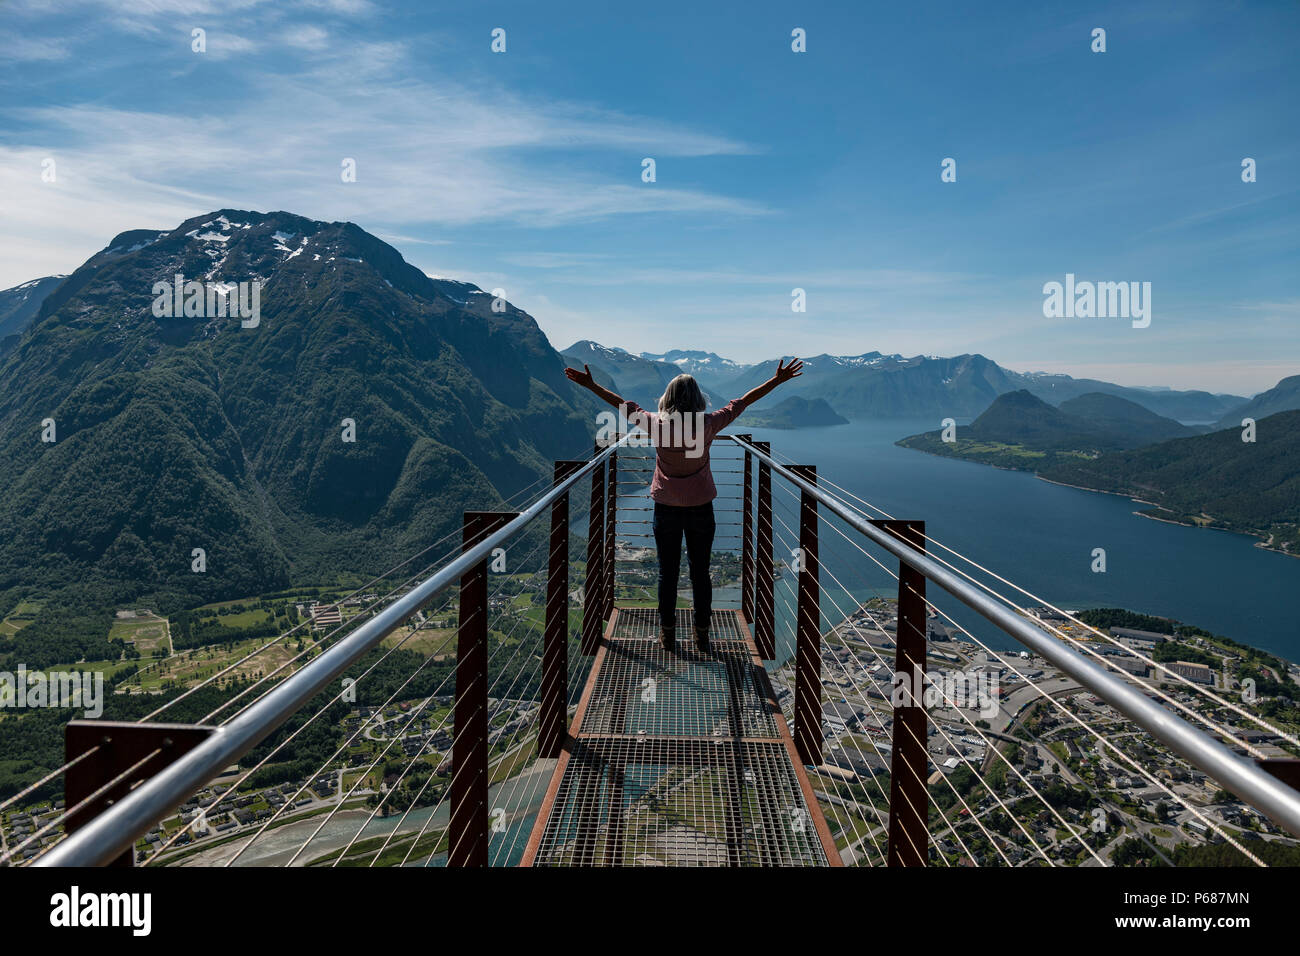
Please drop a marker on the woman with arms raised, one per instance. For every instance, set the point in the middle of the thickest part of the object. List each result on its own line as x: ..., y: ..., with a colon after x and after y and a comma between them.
x: 682, y: 488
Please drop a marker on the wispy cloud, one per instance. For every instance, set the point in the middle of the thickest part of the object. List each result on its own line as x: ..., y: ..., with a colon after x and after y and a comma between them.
x: 33, y: 49
x: 399, y: 239
x: 432, y: 151
x: 308, y: 37
x: 556, y: 260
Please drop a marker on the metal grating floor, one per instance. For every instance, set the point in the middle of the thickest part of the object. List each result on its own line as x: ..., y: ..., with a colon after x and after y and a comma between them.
x: 678, y: 759
x: 639, y: 802
x: 643, y: 690
x: 642, y: 623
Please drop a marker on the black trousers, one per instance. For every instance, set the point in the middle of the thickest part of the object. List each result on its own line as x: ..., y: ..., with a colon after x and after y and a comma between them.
x: 695, y: 523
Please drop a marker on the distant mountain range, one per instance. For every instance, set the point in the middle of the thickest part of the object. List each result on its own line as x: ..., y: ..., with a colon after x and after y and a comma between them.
x: 639, y: 379
x: 874, y: 385
x: 1161, y: 444
x: 176, y: 434
x: 719, y: 371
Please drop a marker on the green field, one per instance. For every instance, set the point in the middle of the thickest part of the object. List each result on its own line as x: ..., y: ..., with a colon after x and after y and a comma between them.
x: 148, y: 634
x: 20, y: 617
x: 998, y: 454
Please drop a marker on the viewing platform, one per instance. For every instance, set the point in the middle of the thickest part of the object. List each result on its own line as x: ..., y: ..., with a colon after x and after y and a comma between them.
x: 687, y: 757
x: 679, y: 758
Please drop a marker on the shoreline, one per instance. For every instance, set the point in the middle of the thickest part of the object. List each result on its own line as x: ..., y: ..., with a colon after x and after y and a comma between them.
x: 1261, y: 540
x: 972, y: 461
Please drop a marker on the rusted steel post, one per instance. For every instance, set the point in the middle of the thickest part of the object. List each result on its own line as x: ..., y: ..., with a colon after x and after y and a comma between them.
x: 764, y: 594
x: 909, y: 799
x: 467, y: 832
x: 593, y: 589
x: 1286, y: 769
x: 747, y: 539
x: 552, y: 723
x: 118, y: 747
x: 808, y: 651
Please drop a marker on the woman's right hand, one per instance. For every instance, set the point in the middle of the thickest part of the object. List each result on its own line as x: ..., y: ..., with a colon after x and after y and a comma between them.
x: 583, y: 378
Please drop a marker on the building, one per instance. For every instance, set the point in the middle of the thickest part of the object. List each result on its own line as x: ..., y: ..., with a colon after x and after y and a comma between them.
x: 1114, y: 650
x: 863, y: 765
x: 841, y: 716
x: 1145, y: 640
x: 1197, y: 673
x: 1131, y: 665
x: 937, y: 632
x: 1046, y: 614
x: 325, y: 615
x: 1199, y: 828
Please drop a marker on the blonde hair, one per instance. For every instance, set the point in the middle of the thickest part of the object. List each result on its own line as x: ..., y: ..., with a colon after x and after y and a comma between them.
x: 682, y: 395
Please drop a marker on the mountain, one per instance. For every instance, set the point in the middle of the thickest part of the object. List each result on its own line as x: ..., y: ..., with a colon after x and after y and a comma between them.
x: 1019, y: 430
x: 822, y: 367
x: 1214, y: 480
x: 1189, y: 407
x: 635, y: 377
x: 876, y: 385
x: 176, y: 434
x: 873, y: 385
x: 795, y: 412
x: 1024, y: 419
x: 1135, y: 424
x: 892, y: 386
x: 712, y: 371
x: 19, y: 305
x: 1282, y: 397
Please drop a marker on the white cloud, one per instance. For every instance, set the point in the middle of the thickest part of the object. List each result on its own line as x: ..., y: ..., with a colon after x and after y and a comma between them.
x: 48, y: 228
x: 347, y: 7
x: 397, y: 239
x: 556, y: 260
x: 32, y: 49
x: 432, y: 151
x: 222, y: 44
x: 307, y: 37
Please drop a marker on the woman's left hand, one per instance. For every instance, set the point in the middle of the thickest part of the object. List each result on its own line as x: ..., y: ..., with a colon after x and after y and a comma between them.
x: 786, y: 372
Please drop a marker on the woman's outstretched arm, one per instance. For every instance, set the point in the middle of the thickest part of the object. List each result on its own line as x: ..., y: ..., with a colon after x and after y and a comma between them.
x: 782, y: 374
x: 585, y: 379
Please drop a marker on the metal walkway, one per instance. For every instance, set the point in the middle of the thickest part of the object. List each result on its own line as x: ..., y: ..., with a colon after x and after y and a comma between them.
x: 679, y: 759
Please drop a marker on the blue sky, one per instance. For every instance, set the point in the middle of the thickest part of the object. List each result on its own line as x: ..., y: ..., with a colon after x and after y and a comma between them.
x: 775, y: 170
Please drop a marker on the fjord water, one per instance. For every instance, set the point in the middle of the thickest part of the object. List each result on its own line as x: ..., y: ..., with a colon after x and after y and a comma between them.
x: 1037, y: 534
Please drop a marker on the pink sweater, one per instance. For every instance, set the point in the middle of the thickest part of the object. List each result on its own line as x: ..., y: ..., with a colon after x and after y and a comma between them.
x: 682, y: 474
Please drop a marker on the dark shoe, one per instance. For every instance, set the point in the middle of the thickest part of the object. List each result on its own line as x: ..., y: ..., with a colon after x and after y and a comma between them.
x: 668, y: 638
x: 702, y: 638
